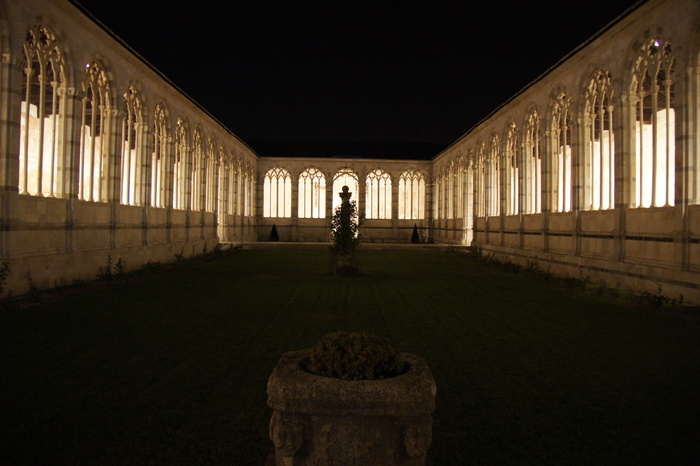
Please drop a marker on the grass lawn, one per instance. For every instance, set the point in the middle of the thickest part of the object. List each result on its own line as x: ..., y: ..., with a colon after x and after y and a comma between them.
x: 172, y: 368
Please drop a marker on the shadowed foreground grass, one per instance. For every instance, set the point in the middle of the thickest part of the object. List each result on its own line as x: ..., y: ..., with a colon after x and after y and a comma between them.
x: 172, y: 368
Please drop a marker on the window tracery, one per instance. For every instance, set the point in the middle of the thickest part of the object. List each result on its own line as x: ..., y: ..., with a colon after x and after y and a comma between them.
x: 43, y: 88
x: 277, y: 187
x: 481, y: 179
x: 181, y: 171
x: 312, y: 194
x: 239, y: 186
x: 449, y: 191
x: 532, y: 165
x: 94, y: 134
x: 560, y: 156
x: 653, y: 99
x: 599, y: 163
x: 159, y: 163
x: 493, y: 200
x: 460, y: 174
x: 512, y: 170
x: 378, y: 194
x: 412, y: 195
x: 210, y: 167
x: 345, y: 177
x: 197, y: 171
x: 131, y: 161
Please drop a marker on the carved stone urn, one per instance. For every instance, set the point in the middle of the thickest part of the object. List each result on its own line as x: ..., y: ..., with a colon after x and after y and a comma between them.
x: 321, y: 420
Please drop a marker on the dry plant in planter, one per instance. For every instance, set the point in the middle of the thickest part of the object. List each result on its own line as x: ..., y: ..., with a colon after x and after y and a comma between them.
x: 351, y: 400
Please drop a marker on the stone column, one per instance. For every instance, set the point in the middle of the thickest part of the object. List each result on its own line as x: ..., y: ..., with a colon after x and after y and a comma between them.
x: 11, y: 79
x: 396, y: 232
x: 429, y: 186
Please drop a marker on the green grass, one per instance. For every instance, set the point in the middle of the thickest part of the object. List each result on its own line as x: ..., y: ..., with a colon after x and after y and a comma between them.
x: 172, y: 368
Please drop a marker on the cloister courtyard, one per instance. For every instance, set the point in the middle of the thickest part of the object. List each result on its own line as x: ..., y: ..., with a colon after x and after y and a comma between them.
x: 170, y: 365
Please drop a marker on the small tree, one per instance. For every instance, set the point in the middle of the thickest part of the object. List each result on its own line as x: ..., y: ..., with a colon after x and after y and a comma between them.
x: 274, y: 236
x: 415, y: 237
x: 344, y: 234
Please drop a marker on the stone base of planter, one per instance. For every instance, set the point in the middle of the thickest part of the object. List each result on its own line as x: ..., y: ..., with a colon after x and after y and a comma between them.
x: 320, y: 420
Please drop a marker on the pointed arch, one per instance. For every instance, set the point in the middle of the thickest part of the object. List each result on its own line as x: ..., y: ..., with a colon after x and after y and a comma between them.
x: 196, y: 172
x: 41, y: 157
x: 652, y: 97
x: 559, y: 161
x: 598, y: 167
x: 312, y: 194
x: 378, y: 194
x: 493, y: 198
x: 345, y: 177
x: 159, y: 156
x: 511, y: 158
x: 277, y: 193
x: 94, y: 134
x: 411, y: 195
x: 181, y: 166
x: 449, y: 188
x: 480, y: 179
x: 132, y: 164
x: 209, y: 178
x: 532, y: 164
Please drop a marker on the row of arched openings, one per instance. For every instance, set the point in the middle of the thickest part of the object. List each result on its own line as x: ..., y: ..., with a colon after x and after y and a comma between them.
x: 119, y: 156
x: 312, y: 193
x: 541, y: 165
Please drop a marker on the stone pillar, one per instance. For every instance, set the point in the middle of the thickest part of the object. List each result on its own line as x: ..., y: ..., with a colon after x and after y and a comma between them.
x: 294, y: 230
x: 69, y: 129
x: 429, y: 186
x: 685, y: 164
x: 11, y: 78
x: 396, y: 232
x: 623, y: 133
x: 361, y: 197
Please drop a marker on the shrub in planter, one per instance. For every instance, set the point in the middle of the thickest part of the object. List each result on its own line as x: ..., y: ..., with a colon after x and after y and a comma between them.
x: 319, y: 419
x: 355, y: 356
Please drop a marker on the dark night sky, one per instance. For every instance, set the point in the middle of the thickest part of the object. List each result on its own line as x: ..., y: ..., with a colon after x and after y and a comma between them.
x: 353, y: 71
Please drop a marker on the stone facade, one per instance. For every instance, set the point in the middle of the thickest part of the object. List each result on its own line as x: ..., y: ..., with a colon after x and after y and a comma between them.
x: 321, y: 420
x: 632, y: 220
x: 594, y: 168
x: 72, y: 100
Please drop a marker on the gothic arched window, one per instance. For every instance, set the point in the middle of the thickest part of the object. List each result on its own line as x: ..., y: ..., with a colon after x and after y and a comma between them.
x: 43, y: 88
x: 132, y: 137
x: 181, y: 170
x: 653, y: 95
x: 493, y: 199
x: 345, y: 177
x: 532, y: 165
x: 277, y: 199
x: 511, y: 160
x: 449, y: 191
x: 94, y: 135
x: 197, y: 171
x: 312, y: 194
x: 412, y: 195
x: 211, y: 167
x: 560, y: 156
x: 480, y: 167
x: 378, y: 195
x: 599, y: 163
x: 159, y: 162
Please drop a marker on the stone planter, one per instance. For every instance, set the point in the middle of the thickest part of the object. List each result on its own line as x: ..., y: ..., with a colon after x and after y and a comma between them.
x: 321, y: 420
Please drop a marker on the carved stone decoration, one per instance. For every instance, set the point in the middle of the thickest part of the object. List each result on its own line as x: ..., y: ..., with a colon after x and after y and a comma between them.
x: 287, y: 433
x: 321, y: 420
